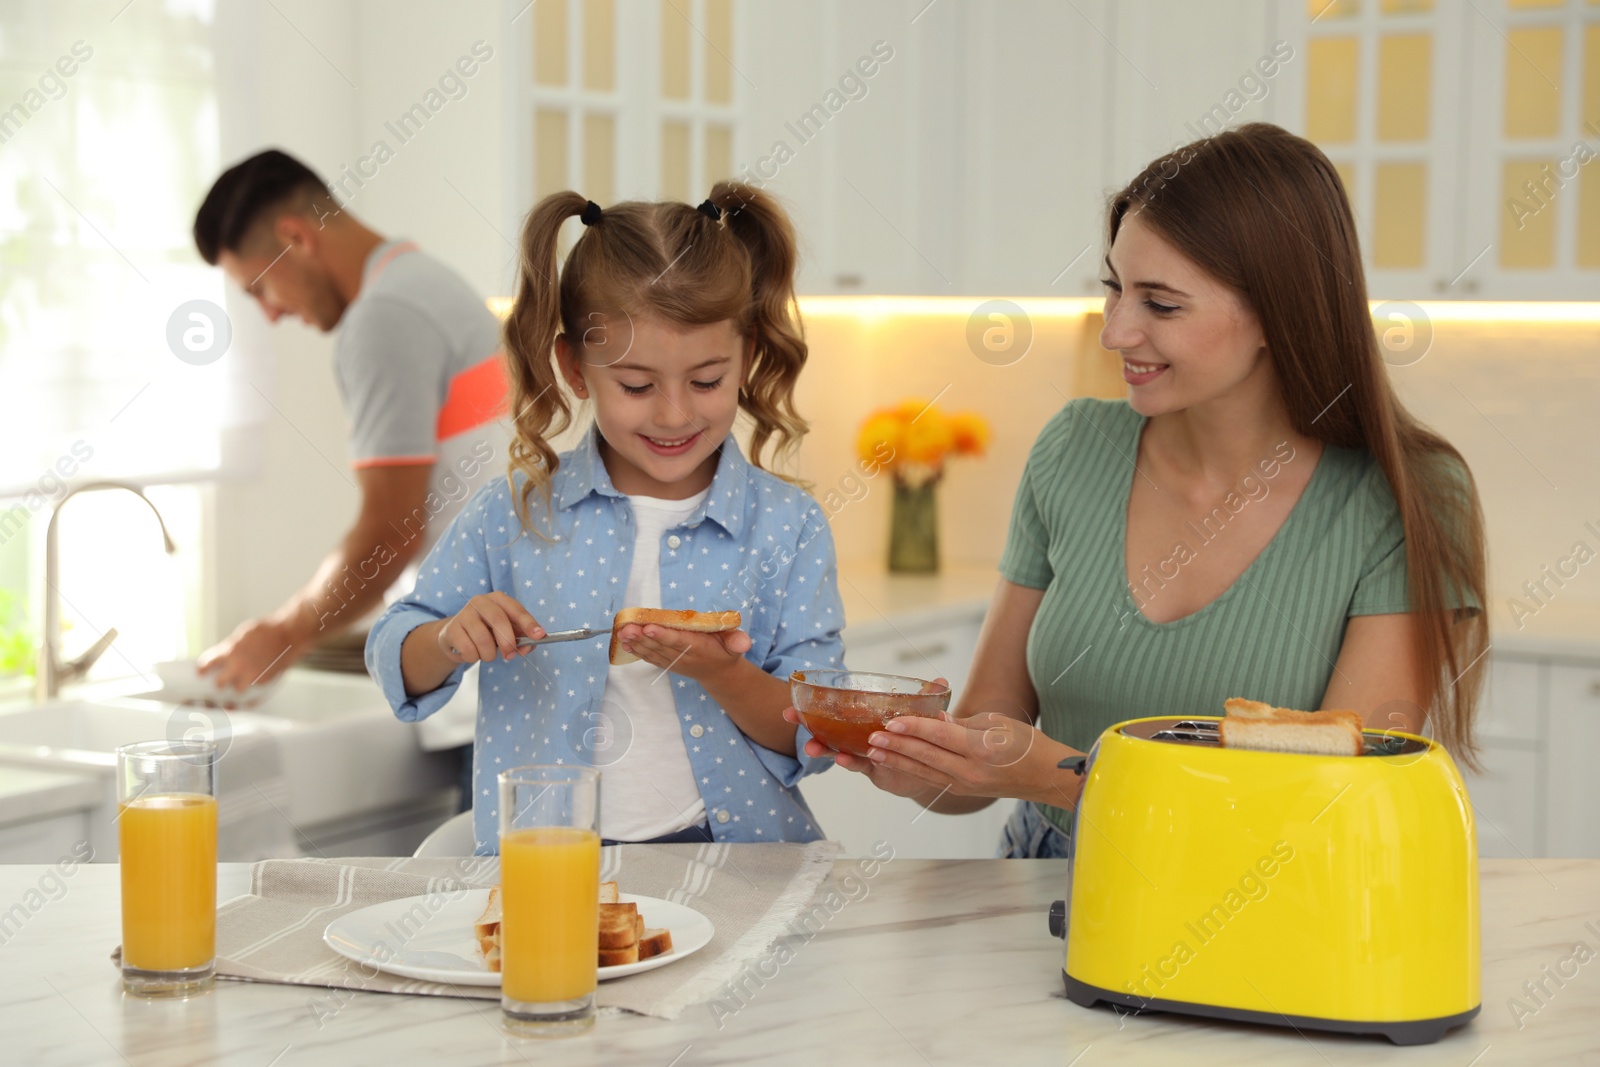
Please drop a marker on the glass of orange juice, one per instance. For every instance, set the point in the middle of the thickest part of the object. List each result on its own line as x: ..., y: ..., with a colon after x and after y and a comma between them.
x: 550, y: 891
x: 167, y: 837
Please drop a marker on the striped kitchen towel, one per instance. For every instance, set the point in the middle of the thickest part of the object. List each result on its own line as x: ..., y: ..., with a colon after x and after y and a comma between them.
x: 751, y: 894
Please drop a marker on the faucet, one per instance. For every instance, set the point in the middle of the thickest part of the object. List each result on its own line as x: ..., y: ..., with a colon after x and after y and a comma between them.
x: 52, y: 672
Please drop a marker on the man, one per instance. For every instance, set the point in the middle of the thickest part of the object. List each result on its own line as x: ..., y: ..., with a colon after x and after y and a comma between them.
x: 418, y: 367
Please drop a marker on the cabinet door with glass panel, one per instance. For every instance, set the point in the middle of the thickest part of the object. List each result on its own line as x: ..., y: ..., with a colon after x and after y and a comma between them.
x: 1464, y: 134
x: 1533, y: 179
x: 630, y: 99
x: 1379, y: 92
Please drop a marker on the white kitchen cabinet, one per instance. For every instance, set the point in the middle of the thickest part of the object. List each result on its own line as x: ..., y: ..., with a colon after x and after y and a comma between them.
x: 979, y: 157
x: 1508, y: 801
x: 1528, y: 80
x: 942, y: 650
x: 46, y: 840
x: 1508, y: 796
x: 1573, y: 809
x: 1539, y: 725
x: 1512, y: 701
x: 1435, y: 115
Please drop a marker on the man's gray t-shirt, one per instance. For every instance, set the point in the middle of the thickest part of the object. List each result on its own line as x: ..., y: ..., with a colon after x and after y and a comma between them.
x: 418, y: 362
x: 419, y: 366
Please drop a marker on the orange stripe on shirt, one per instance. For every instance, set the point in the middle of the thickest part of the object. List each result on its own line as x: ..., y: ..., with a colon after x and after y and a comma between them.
x: 388, y: 257
x: 393, y: 461
x: 477, y: 395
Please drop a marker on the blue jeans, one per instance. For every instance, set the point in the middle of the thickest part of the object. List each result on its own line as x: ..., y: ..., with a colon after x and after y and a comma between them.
x: 1029, y: 835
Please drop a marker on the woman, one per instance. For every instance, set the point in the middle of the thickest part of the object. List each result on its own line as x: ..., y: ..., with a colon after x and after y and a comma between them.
x: 1261, y: 518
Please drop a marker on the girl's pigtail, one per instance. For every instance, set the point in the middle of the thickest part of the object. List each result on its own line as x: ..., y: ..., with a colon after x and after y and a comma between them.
x: 539, y: 408
x: 767, y: 393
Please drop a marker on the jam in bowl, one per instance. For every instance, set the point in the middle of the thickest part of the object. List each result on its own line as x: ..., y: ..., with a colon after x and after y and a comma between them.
x: 843, y: 708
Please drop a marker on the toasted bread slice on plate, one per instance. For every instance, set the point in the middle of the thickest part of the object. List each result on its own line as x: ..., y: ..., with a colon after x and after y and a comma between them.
x: 655, y: 943
x: 623, y: 938
x: 488, y: 924
x: 619, y: 925
x: 705, y: 622
x: 1254, y: 725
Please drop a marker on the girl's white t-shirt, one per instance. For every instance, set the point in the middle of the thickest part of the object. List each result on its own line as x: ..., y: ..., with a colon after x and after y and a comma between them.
x: 647, y: 786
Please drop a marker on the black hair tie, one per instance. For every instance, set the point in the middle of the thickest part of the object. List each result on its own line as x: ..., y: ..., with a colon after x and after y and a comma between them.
x: 710, y: 210
x: 591, y: 213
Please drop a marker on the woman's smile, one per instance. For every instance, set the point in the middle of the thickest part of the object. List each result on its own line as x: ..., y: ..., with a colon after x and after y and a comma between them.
x: 1141, y: 373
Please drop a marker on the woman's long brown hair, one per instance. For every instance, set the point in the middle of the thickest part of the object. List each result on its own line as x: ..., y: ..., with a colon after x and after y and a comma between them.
x: 1264, y: 212
x: 666, y: 261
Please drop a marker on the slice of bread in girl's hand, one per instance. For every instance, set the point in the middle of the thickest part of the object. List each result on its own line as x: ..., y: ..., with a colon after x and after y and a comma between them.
x: 1252, y: 724
x: 704, y: 622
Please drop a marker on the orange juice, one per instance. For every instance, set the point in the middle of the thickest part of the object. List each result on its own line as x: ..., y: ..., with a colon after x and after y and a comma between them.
x: 550, y: 925
x: 169, y: 881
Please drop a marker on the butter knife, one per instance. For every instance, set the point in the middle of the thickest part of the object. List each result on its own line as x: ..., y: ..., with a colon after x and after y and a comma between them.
x: 563, y: 635
x: 552, y: 637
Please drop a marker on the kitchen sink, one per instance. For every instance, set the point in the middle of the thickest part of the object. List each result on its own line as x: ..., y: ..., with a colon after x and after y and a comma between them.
x: 311, y: 697
x: 321, y: 765
x: 76, y: 731
x: 344, y: 755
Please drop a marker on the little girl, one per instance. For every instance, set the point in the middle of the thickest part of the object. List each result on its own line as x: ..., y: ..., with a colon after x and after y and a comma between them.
x: 671, y: 320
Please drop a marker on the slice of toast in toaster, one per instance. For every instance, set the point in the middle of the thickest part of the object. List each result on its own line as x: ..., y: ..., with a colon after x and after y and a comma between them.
x: 1254, y: 725
x: 1240, y: 708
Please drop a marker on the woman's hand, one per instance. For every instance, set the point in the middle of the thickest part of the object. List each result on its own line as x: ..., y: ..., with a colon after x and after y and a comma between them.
x: 885, y: 778
x: 694, y: 655
x: 984, y: 755
x: 487, y: 627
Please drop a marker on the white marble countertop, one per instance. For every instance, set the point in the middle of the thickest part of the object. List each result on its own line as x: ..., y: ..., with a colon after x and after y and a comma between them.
x: 940, y: 962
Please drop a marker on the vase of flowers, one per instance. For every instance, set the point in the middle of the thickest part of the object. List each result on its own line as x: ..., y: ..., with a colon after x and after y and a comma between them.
x: 912, y: 440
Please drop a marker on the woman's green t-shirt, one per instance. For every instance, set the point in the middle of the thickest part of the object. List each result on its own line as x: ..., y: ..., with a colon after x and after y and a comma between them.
x: 1095, y: 659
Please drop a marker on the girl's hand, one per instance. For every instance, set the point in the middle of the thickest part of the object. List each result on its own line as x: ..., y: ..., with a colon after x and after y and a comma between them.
x: 693, y: 655
x: 488, y: 626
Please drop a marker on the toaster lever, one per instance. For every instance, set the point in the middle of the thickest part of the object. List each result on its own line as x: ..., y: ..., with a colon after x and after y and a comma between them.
x: 1075, y: 764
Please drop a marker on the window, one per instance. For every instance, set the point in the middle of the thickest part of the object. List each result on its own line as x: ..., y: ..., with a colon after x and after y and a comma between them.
x: 108, y: 142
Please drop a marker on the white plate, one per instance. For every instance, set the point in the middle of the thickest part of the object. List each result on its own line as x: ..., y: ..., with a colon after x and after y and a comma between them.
x: 430, y: 937
x: 182, y: 683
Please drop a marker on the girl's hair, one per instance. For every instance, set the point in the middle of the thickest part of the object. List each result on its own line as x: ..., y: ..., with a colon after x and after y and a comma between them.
x: 1264, y: 212
x: 666, y: 261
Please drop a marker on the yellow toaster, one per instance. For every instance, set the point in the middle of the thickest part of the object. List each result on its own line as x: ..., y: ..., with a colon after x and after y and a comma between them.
x: 1321, y: 892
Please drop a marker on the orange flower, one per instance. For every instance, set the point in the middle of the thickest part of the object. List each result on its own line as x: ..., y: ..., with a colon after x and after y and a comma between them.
x: 914, y: 437
x: 971, y: 432
x: 881, y: 439
x: 910, y: 408
x: 929, y: 439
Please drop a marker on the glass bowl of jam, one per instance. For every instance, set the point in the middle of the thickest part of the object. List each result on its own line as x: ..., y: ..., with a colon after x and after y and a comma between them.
x: 843, y: 708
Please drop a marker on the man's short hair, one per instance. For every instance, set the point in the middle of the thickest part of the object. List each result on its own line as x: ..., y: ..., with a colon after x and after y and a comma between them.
x: 245, y: 193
